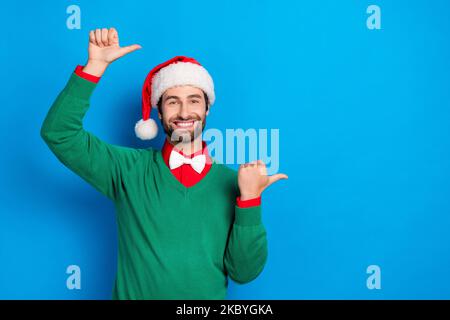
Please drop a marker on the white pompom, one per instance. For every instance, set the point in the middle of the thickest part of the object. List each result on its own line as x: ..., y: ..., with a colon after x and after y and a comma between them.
x: 146, y: 130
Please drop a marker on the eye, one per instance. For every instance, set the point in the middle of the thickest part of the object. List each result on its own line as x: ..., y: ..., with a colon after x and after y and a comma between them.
x: 195, y: 101
x: 172, y: 102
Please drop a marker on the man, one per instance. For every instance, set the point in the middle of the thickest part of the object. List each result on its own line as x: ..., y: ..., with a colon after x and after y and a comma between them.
x: 185, y: 222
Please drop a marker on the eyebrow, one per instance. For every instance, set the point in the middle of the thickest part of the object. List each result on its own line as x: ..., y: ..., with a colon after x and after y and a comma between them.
x: 189, y: 96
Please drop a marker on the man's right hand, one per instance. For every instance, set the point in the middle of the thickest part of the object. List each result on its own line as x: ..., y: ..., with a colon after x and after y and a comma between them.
x: 103, y: 49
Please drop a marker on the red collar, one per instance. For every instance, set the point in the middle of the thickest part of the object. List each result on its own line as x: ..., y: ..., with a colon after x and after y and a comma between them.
x: 168, y: 147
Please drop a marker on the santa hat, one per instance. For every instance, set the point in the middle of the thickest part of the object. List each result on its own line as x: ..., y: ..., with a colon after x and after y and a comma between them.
x: 177, y: 71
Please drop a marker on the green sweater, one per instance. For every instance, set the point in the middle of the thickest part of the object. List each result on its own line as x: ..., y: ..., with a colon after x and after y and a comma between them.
x: 174, y: 242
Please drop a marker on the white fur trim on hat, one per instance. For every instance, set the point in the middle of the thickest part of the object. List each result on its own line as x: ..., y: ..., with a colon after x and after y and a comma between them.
x: 146, y: 129
x: 179, y: 74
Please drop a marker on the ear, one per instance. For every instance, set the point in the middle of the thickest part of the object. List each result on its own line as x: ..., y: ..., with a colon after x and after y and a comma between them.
x: 159, y: 112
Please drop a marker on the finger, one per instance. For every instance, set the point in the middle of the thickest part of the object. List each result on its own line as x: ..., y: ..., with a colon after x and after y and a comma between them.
x: 105, y: 37
x: 274, y: 178
x: 260, y: 163
x: 125, y: 50
x: 92, y: 37
x: 98, y: 37
x: 112, y: 36
x: 252, y: 164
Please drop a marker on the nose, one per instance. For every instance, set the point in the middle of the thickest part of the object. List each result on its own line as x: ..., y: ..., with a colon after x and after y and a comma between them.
x: 184, y: 112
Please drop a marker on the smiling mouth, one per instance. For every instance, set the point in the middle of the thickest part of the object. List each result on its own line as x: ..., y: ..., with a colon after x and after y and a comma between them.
x: 184, y: 124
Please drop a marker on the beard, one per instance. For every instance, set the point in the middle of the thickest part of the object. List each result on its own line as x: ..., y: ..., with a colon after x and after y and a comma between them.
x: 184, y: 135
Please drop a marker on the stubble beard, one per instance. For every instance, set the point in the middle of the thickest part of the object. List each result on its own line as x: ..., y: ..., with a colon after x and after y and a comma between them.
x: 184, y: 136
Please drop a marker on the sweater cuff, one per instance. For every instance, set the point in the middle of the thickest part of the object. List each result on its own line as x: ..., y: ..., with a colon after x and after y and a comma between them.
x: 79, y: 71
x: 248, y: 203
x: 79, y: 87
x: 250, y: 216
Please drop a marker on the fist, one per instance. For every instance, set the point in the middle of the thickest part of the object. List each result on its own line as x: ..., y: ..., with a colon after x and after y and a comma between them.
x: 104, y: 46
x: 253, y: 179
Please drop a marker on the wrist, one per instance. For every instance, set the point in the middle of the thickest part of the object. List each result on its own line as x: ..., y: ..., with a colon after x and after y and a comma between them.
x: 248, y: 196
x: 95, y: 67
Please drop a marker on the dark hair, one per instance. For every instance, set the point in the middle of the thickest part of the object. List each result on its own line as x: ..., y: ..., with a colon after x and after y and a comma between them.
x: 159, y: 104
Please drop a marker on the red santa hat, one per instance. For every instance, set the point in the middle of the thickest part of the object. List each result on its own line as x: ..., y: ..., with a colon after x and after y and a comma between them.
x: 177, y: 71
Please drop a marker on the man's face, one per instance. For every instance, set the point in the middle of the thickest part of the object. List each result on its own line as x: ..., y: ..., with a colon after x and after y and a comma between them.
x: 183, y: 113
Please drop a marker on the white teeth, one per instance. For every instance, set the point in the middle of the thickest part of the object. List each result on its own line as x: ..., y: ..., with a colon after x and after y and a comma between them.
x: 185, y: 124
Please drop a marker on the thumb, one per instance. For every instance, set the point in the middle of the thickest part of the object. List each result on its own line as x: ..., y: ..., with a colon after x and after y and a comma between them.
x: 125, y: 50
x: 274, y: 178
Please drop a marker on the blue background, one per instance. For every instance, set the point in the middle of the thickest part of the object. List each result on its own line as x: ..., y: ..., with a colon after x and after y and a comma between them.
x: 364, y: 137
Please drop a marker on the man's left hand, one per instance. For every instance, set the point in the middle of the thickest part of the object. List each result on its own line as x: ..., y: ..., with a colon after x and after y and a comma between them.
x: 253, y: 179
